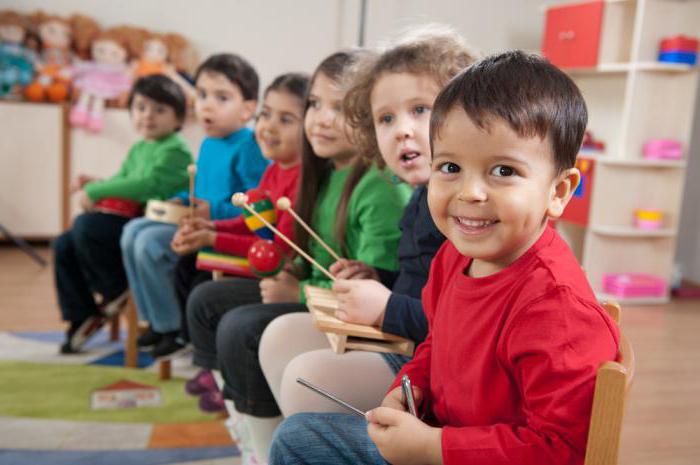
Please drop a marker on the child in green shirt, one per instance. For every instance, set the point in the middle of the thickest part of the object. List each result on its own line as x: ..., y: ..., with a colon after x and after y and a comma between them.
x: 90, y: 279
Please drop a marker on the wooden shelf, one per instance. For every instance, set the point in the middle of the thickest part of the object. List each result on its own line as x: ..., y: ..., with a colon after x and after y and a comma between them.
x: 603, y: 159
x: 642, y: 163
x: 603, y: 297
x: 620, y: 68
x: 623, y: 231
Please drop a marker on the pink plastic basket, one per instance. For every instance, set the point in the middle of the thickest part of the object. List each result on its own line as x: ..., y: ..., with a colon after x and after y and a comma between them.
x: 626, y: 285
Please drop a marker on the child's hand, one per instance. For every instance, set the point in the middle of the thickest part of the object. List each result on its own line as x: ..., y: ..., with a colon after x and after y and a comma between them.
x: 283, y: 287
x: 353, y: 269
x: 80, y: 182
x: 196, y: 223
x: 361, y: 301
x: 85, y: 201
x: 202, y: 209
x: 189, y: 242
x: 176, y: 201
x: 403, y: 439
x: 396, y: 401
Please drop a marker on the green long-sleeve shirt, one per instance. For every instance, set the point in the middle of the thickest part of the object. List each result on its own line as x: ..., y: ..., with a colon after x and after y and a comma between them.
x: 152, y: 170
x: 372, y: 229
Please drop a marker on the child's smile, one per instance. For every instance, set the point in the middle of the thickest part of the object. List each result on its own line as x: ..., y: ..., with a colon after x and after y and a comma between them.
x: 491, y: 190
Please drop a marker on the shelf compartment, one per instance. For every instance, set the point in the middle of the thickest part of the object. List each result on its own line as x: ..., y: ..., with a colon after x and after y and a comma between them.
x: 631, y: 232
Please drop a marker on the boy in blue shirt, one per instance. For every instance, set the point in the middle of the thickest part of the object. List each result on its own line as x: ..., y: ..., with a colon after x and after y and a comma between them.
x: 229, y: 161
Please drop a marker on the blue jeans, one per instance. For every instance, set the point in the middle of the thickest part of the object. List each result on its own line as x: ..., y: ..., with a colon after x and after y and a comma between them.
x: 323, y: 439
x: 150, y: 268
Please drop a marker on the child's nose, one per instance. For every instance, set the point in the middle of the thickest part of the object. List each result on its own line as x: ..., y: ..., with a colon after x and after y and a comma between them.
x: 404, y: 129
x: 472, y: 190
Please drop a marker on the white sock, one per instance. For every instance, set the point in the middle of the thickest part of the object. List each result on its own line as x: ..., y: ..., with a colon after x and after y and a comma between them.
x: 260, y: 434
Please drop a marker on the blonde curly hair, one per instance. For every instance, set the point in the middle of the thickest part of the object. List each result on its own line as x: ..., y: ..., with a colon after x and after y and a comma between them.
x: 432, y: 50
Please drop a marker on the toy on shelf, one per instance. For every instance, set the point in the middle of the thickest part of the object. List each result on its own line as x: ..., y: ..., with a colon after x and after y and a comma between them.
x: 105, y: 78
x: 52, y: 81
x: 265, y: 258
x: 630, y: 285
x: 679, y: 49
x: 16, y: 59
x: 648, y: 219
x: 663, y: 149
x: 590, y: 144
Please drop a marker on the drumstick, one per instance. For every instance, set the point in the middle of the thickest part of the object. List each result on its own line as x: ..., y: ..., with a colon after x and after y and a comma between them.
x: 192, y: 170
x: 241, y: 200
x: 284, y: 204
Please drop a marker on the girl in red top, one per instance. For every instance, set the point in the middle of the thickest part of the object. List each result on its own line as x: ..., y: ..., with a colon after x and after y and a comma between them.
x: 507, y: 372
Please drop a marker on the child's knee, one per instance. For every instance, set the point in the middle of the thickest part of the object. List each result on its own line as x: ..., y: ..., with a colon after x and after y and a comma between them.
x: 62, y: 244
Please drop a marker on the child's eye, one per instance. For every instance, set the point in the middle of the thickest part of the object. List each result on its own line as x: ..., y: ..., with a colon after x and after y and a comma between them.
x: 386, y: 119
x: 503, y: 171
x: 420, y: 109
x: 284, y: 119
x: 141, y: 107
x: 263, y: 115
x: 315, y: 104
x: 201, y: 94
x: 222, y: 98
x: 449, y: 167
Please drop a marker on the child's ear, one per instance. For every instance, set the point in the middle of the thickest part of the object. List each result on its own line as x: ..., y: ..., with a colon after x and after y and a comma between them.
x: 563, y: 188
x: 249, y: 107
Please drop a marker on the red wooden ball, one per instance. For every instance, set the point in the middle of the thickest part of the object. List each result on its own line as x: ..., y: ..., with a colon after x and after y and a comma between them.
x: 265, y: 258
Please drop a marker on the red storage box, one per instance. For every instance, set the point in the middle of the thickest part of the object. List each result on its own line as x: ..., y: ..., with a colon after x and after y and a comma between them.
x: 679, y: 43
x: 572, y: 34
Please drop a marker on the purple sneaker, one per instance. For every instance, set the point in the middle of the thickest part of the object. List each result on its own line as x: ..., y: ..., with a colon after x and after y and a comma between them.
x: 202, y: 382
x: 212, y: 402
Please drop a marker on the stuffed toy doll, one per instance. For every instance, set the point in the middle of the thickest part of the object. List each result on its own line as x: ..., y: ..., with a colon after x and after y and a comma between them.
x: 106, y: 77
x: 53, y: 75
x: 16, y: 60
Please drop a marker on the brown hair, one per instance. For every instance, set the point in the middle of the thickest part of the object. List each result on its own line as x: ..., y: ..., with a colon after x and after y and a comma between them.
x: 12, y: 18
x: 85, y: 29
x: 434, y: 51
x: 315, y: 170
x: 528, y: 93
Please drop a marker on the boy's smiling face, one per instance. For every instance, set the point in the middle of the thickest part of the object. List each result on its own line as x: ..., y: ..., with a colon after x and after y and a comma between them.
x: 220, y: 106
x: 491, y: 191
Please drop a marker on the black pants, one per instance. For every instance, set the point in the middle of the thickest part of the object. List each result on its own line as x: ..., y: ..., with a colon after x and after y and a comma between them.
x: 87, y: 260
x: 207, y: 303
x: 237, y: 343
x: 187, y: 277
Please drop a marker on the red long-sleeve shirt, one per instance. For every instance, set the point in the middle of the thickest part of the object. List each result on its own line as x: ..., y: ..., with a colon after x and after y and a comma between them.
x: 233, y: 236
x: 508, y: 368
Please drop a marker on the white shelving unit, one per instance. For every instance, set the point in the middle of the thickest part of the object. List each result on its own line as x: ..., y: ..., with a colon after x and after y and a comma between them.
x: 632, y: 98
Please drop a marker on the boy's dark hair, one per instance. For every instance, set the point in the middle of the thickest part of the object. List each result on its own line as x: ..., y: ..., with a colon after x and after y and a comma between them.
x: 527, y: 92
x: 236, y: 69
x: 296, y: 84
x: 163, y: 90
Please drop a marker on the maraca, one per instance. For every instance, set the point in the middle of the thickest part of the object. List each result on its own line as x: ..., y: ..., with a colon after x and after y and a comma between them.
x: 265, y: 258
x: 260, y: 201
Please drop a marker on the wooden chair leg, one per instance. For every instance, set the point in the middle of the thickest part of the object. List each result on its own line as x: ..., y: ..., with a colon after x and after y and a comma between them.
x: 114, y: 328
x: 131, y: 353
x: 164, y: 370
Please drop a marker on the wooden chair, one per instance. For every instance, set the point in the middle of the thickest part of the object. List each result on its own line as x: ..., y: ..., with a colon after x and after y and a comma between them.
x: 133, y: 331
x: 613, y: 380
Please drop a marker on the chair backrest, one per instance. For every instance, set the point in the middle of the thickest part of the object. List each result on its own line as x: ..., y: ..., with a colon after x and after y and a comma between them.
x: 612, y: 382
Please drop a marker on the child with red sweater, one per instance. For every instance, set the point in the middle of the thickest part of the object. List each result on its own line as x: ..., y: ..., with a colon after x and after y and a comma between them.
x: 507, y: 372
x: 278, y: 133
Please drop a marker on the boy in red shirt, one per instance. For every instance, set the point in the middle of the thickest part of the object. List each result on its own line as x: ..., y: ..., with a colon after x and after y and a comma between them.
x: 507, y: 372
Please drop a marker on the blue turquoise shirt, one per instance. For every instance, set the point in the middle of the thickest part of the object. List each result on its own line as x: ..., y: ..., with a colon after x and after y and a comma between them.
x: 225, y: 166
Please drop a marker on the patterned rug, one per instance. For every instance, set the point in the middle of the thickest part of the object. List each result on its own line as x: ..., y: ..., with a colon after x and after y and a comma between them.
x: 46, y: 417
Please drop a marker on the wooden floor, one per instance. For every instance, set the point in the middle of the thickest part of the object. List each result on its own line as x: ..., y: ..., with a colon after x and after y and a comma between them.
x: 662, y: 423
